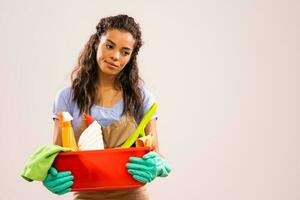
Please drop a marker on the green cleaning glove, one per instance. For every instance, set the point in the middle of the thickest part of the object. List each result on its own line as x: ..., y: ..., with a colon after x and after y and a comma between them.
x: 146, y: 169
x: 58, y: 182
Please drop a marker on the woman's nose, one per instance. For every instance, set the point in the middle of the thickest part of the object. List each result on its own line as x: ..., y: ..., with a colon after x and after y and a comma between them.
x: 115, y: 55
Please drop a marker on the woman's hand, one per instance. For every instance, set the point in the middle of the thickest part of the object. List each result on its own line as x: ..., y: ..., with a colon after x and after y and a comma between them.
x: 146, y: 169
x: 58, y: 182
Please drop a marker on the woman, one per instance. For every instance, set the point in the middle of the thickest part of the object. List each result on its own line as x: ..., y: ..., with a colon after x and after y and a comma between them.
x: 106, y: 85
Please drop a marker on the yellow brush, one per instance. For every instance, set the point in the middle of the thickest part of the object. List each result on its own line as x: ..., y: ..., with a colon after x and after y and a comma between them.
x: 140, y: 130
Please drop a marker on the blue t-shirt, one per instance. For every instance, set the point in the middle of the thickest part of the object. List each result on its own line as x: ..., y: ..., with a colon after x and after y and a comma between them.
x: 105, y: 116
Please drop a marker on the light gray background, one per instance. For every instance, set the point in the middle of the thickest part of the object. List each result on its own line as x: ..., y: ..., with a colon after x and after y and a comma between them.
x: 224, y: 74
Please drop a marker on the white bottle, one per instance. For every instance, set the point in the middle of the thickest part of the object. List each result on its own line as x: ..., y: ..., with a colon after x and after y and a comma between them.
x: 91, y: 138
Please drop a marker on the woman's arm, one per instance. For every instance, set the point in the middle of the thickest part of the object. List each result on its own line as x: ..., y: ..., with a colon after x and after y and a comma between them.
x: 57, y: 133
x: 151, y: 128
x: 152, y: 164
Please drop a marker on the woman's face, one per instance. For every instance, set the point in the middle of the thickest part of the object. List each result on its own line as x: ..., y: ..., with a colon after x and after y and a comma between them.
x: 114, y: 51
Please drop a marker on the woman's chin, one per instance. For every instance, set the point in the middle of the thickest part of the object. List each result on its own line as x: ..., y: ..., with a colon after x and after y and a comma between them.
x: 110, y: 72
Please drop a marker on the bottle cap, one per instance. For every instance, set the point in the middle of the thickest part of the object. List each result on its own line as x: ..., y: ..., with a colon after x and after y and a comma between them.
x: 65, y: 119
x: 89, y: 120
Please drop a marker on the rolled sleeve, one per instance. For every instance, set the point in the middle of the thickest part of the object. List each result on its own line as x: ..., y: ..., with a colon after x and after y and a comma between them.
x: 148, y: 102
x: 61, y: 102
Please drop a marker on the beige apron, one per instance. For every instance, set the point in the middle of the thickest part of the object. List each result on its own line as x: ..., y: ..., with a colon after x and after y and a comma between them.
x: 114, y: 135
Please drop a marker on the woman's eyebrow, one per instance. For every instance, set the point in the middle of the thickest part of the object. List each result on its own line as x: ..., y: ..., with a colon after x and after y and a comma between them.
x: 127, y: 48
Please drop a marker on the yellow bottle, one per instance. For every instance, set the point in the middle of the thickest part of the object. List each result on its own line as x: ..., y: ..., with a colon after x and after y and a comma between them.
x: 67, y: 132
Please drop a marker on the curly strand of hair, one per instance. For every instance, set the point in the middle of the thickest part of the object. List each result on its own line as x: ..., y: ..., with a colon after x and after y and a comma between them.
x: 84, y: 76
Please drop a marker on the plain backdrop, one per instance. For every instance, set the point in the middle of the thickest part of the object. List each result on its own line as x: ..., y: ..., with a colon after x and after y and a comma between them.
x: 225, y: 75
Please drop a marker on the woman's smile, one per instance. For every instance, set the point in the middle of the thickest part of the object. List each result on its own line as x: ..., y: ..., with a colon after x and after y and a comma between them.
x: 110, y: 64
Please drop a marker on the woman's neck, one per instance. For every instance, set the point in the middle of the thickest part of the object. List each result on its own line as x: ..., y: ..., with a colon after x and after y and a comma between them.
x: 107, y: 93
x: 106, y: 81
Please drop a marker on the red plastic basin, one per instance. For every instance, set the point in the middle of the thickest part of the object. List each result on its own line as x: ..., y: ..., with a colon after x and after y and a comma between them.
x: 100, y: 169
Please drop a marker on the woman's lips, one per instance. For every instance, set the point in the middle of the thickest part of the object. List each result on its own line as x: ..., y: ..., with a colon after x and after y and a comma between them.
x: 111, y: 64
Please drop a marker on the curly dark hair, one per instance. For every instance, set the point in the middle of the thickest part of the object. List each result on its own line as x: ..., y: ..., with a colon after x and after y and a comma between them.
x: 85, y: 75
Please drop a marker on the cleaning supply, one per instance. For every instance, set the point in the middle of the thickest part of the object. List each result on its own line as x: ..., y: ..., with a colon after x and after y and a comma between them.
x: 37, y: 166
x: 149, y: 167
x: 91, y: 138
x: 68, y: 138
x: 140, y: 130
x: 58, y: 182
x: 146, y: 141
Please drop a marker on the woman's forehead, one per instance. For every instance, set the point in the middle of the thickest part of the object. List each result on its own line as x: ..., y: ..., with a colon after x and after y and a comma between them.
x: 119, y: 38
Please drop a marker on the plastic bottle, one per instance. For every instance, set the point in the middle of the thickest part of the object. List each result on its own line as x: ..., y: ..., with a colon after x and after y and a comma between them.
x: 67, y: 131
x: 91, y: 138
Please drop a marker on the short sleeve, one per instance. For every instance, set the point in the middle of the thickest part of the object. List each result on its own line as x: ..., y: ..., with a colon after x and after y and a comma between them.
x: 62, y: 102
x: 148, y: 101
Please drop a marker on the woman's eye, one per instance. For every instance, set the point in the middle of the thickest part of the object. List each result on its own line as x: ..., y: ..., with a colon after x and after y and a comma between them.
x: 108, y: 46
x: 125, y: 53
